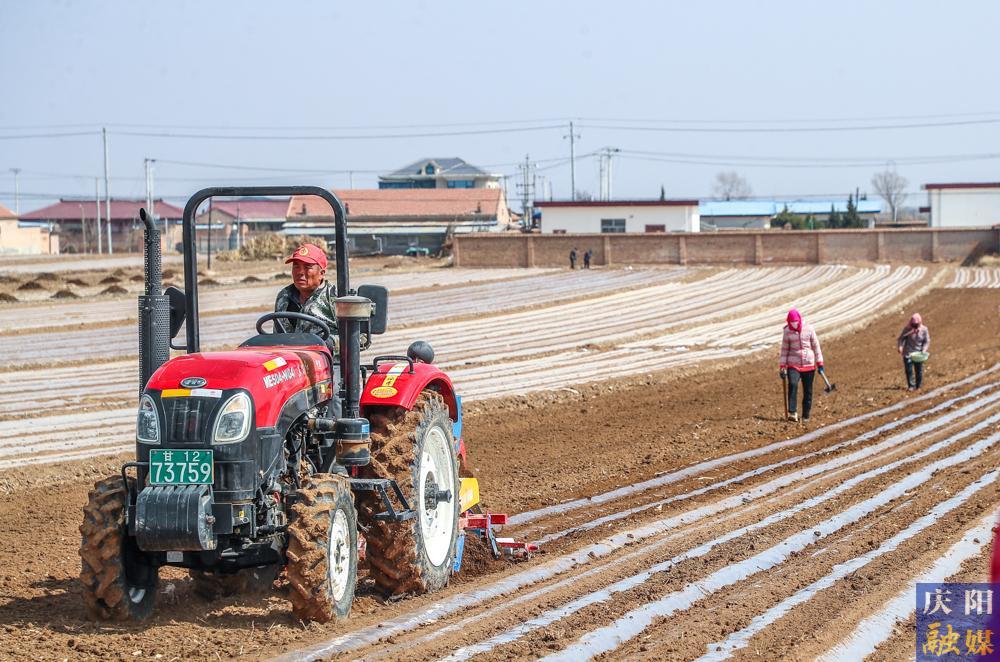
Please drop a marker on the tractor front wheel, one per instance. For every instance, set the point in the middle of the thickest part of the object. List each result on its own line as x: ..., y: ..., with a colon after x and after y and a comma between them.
x: 322, y: 549
x: 415, y: 448
x: 119, y: 581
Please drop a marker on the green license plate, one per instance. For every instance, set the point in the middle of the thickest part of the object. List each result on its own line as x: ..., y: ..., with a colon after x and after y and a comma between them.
x: 181, y: 467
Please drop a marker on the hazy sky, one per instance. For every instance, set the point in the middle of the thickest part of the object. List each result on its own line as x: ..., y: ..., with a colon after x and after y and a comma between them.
x: 308, y: 70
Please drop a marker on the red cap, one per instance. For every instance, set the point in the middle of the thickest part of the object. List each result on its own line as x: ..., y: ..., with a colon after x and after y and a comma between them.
x: 308, y: 254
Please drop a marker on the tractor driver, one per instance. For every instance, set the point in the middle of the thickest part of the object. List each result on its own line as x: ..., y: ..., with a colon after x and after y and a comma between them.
x: 309, y: 293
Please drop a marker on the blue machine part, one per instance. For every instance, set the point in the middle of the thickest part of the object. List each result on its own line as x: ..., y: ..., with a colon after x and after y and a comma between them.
x: 459, y: 548
x: 456, y: 428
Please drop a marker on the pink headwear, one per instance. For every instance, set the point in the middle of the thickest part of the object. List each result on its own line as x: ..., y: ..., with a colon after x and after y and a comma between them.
x: 916, y: 320
x: 794, y: 320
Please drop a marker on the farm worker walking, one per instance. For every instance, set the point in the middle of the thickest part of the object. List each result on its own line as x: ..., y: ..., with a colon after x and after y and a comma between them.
x: 572, y: 258
x: 309, y: 292
x: 913, y: 343
x: 801, y: 357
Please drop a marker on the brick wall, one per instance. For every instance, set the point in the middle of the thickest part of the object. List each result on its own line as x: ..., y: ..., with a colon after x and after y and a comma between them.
x: 760, y: 247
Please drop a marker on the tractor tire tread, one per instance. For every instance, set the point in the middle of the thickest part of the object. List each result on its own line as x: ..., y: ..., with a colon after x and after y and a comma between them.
x: 308, y: 531
x: 102, y: 570
x: 392, y: 555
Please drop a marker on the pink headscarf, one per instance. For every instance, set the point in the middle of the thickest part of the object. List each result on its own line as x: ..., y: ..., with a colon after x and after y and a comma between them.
x: 916, y: 321
x: 794, y: 320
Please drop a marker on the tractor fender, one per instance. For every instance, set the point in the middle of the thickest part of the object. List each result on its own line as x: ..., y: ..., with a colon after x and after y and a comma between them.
x: 394, y: 385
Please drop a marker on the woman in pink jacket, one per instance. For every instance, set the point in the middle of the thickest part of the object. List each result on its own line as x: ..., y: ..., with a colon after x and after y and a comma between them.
x: 801, y: 357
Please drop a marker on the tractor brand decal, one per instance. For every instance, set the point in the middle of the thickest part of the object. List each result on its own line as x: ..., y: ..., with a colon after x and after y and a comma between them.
x: 206, y: 393
x: 274, y: 364
x: 193, y: 382
x: 275, y: 378
x: 191, y: 393
x: 392, y: 375
x: 383, y: 392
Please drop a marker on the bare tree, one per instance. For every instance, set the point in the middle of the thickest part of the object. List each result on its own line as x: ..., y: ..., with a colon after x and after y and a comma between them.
x: 890, y: 185
x: 730, y: 185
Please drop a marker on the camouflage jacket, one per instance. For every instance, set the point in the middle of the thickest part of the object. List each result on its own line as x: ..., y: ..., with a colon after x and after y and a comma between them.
x: 319, y: 304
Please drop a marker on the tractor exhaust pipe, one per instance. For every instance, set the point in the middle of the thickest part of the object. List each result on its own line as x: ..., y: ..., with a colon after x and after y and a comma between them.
x: 351, y: 311
x: 154, y: 307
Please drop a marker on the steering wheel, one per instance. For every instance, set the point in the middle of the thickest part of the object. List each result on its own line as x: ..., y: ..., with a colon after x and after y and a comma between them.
x: 280, y: 315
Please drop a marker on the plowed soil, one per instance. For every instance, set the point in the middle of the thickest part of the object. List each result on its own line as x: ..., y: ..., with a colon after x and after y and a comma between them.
x: 546, y: 449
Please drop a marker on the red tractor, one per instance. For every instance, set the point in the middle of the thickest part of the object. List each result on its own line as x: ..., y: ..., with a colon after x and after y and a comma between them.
x: 272, y: 456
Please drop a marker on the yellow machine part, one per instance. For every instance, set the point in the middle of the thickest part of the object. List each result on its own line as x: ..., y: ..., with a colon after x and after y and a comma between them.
x: 468, y: 494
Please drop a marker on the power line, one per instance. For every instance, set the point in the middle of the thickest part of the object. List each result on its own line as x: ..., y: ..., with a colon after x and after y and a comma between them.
x: 231, y: 166
x: 232, y: 127
x: 506, y: 122
x: 788, y: 165
x: 65, y: 134
x: 789, y: 129
x: 832, y: 159
x: 787, y: 120
x: 383, y: 136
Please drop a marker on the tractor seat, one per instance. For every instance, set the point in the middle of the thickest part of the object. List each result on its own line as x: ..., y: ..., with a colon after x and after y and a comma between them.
x: 284, y: 340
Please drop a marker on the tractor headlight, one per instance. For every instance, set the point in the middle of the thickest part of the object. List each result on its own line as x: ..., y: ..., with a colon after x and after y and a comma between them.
x: 233, y: 423
x: 147, y: 423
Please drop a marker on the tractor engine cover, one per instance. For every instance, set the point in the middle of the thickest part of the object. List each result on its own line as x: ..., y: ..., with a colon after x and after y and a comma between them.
x: 174, y: 518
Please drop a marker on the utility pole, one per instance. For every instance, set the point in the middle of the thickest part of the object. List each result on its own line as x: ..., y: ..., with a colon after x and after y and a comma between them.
x: 572, y: 161
x: 611, y: 194
x: 350, y: 177
x: 527, y: 186
x: 83, y: 230
x: 17, y: 192
x: 97, y: 201
x: 107, y: 189
x: 606, y: 177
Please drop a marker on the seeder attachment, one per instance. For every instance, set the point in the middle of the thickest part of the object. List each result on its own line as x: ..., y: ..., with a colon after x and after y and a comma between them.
x: 484, y: 525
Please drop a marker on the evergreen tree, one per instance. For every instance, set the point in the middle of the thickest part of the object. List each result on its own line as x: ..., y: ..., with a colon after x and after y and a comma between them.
x: 852, y: 219
x: 834, y: 221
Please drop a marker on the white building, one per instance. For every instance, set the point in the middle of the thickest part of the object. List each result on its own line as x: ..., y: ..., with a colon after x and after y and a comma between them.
x: 964, y: 204
x: 594, y: 216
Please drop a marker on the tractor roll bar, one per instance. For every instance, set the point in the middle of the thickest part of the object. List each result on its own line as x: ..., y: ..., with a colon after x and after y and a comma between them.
x: 191, y: 246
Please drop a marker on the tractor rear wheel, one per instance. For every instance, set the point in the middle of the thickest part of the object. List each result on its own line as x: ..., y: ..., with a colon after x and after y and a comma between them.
x: 119, y: 581
x: 212, y: 586
x: 415, y: 448
x: 322, y: 549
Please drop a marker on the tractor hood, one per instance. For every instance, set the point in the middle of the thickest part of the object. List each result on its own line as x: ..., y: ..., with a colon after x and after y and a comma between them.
x: 271, y: 376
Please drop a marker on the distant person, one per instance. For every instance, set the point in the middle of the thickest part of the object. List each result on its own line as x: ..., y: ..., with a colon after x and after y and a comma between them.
x: 801, y: 357
x: 572, y: 258
x: 586, y: 258
x: 309, y: 292
x: 913, y: 343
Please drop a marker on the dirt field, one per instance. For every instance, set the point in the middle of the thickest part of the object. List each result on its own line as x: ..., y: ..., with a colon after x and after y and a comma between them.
x: 523, y: 334
x: 733, y: 514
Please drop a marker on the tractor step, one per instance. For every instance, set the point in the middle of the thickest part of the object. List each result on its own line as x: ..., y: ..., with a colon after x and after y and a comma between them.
x: 382, y: 487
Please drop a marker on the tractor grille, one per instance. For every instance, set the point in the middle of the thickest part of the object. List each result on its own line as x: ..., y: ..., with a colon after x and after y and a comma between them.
x: 189, y: 420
